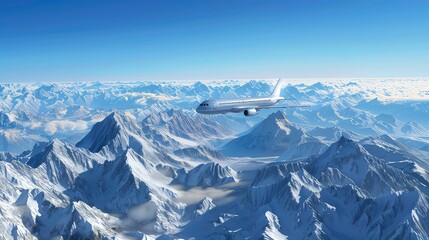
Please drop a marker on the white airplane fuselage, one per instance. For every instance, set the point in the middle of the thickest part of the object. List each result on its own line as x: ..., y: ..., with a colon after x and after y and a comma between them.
x: 249, y: 106
x: 222, y: 106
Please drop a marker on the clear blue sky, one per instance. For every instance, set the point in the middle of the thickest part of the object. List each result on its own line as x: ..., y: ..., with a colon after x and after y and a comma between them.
x: 212, y: 39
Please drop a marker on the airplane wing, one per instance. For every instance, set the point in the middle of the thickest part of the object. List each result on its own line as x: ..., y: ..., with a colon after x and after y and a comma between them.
x: 290, y: 106
x: 241, y: 108
x: 288, y: 99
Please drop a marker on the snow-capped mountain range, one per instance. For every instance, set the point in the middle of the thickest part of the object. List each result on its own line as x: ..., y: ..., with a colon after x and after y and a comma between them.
x: 133, y: 160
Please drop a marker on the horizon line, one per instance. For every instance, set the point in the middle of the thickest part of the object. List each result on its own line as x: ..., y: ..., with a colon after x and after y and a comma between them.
x: 218, y: 79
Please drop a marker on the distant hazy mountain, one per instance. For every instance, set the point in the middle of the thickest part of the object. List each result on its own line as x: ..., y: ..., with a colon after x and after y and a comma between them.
x: 6, y: 122
x: 331, y: 134
x: 414, y: 129
x: 176, y: 122
x: 200, y: 153
x: 17, y: 141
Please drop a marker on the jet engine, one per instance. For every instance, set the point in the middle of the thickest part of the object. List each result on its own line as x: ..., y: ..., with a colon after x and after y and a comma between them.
x: 250, y: 112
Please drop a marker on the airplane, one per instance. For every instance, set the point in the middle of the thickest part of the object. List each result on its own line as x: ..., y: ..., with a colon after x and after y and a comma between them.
x: 249, y: 106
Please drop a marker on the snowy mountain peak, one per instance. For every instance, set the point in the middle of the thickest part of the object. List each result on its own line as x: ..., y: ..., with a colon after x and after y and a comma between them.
x: 345, y: 147
x: 414, y: 128
x: 62, y: 162
x: 200, y: 86
x: 363, y: 167
x: 255, y: 85
x: 207, y: 175
x: 349, y: 193
x: 319, y: 86
x: 161, y: 118
x: 6, y: 121
x: 273, y: 136
x: 76, y: 221
x: 344, y: 140
x: 272, y: 229
x: 176, y: 114
x: 100, y: 134
x: 180, y: 125
x: 331, y: 134
x: 277, y: 122
x: 134, y: 163
x: 54, y: 147
x: 125, y: 120
x: 111, y: 134
x: 279, y: 115
x: 388, y: 139
x: 120, y: 181
x: 347, y: 156
x: 397, y: 154
x: 204, y: 206
x: 387, y: 118
x: 26, y: 196
x: 383, y: 141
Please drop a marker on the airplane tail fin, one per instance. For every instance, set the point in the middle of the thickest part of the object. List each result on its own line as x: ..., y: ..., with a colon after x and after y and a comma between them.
x: 277, y: 89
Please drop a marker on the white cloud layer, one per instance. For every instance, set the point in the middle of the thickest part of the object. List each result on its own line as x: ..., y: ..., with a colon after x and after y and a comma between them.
x: 152, y: 96
x: 59, y: 126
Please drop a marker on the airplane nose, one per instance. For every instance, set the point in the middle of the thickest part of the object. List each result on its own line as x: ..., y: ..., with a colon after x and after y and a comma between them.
x: 198, y: 109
